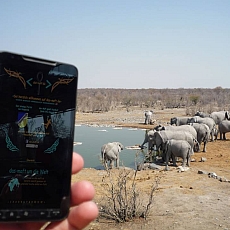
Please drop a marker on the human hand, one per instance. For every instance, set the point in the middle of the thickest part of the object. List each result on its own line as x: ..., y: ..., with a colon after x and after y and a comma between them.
x: 83, y: 209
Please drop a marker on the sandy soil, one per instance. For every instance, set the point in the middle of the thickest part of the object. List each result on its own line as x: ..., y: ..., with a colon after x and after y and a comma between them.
x: 183, y: 200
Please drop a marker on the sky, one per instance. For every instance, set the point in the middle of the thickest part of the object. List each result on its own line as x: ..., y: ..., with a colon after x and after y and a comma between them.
x: 125, y: 43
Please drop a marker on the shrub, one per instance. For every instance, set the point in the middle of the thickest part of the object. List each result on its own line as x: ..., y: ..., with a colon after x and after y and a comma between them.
x: 122, y: 200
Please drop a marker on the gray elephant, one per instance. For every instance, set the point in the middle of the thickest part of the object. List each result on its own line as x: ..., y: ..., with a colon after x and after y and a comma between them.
x: 205, y: 120
x: 148, y: 117
x: 202, y: 114
x: 216, y: 116
x: 179, y: 121
x: 110, y: 152
x: 149, y: 135
x: 203, y: 133
x: 224, y: 127
x: 178, y: 148
x: 187, y: 128
x: 161, y: 137
x: 220, y: 116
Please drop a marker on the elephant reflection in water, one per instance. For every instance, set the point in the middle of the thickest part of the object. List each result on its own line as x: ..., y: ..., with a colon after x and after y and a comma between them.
x: 110, y: 152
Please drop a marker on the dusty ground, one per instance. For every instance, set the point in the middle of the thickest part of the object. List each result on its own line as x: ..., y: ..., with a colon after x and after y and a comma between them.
x: 185, y: 200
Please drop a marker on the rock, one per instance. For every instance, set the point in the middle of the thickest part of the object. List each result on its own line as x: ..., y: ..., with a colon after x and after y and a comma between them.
x: 203, y: 159
x: 213, y: 175
x: 154, y: 166
x: 223, y: 179
x: 202, y: 172
x: 182, y: 169
x: 193, y: 160
x: 142, y: 166
x: 145, y: 166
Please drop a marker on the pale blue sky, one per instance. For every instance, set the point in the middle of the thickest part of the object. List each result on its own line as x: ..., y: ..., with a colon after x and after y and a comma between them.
x: 125, y: 43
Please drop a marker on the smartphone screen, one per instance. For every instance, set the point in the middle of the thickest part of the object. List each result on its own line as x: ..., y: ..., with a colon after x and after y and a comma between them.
x: 37, y: 116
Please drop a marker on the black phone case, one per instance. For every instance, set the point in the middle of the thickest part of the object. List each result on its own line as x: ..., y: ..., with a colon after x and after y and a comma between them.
x: 37, y: 117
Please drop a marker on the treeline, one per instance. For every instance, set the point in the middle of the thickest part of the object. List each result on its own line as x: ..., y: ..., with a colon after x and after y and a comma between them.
x: 102, y: 100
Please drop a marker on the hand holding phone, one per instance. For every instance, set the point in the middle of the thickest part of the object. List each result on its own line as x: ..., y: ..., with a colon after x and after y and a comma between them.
x: 83, y: 210
x: 38, y: 105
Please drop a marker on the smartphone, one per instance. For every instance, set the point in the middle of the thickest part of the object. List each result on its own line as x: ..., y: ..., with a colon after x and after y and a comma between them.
x: 37, y: 117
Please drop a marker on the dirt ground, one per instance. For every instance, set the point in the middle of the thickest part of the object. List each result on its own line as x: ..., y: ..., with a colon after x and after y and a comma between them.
x: 183, y: 200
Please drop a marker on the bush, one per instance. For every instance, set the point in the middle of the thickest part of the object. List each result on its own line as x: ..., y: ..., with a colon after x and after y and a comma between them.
x: 122, y: 200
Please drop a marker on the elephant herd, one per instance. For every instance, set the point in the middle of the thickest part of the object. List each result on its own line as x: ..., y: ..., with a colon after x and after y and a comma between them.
x: 181, y: 138
x: 172, y: 139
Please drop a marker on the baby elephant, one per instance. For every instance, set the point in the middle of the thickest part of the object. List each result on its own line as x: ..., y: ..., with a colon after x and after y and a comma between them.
x: 178, y: 148
x: 110, y: 152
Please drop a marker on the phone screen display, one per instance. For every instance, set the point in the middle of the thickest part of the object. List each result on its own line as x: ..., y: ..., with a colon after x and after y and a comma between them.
x: 37, y: 116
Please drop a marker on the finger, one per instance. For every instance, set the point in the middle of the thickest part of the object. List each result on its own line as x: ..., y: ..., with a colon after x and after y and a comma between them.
x: 82, y: 191
x: 80, y: 216
x: 77, y: 163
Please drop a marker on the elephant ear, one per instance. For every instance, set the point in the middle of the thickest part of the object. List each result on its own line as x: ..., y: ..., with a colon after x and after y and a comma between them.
x: 227, y: 115
x: 119, y: 146
x: 163, y: 137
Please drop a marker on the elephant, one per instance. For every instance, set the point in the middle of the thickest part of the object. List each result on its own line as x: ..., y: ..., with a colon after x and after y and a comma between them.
x: 177, y: 148
x: 110, y: 152
x: 220, y: 116
x: 148, y: 139
x: 203, y: 133
x: 202, y: 114
x: 216, y: 116
x: 224, y: 127
x: 205, y: 120
x: 161, y: 137
x: 187, y: 128
x: 179, y: 121
x: 148, y: 117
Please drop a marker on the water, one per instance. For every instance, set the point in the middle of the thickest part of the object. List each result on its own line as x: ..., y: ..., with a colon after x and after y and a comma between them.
x: 92, y: 138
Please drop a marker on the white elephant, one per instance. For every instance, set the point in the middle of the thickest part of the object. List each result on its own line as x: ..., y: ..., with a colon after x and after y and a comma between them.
x: 178, y: 148
x: 110, y: 152
x: 148, y: 117
x: 224, y: 127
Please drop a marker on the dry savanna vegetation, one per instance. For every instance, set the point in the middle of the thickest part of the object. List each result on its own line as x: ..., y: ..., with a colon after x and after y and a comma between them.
x: 196, y: 199
x: 104, y: 100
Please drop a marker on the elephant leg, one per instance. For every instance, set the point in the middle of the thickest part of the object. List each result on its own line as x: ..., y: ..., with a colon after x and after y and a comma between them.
x: 204, y: 149
x: 188, y: 160
x: 184, y: 162
x: 105, y: 165
x: 174, y: 160
x: 111, y: 164
x: 224, y: 137
x: 198, y: 146
x: 221, y: 136
x: 167, y: 162
x: 212, y: 136
x: 117, y: 161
